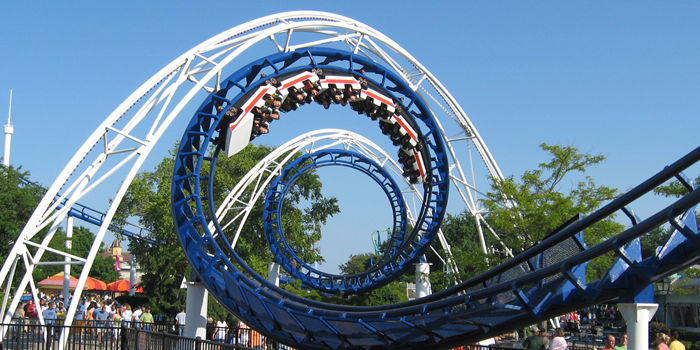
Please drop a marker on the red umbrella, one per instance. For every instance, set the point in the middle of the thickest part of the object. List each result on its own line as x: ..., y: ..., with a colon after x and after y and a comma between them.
x: 94, y: 284
x: 123, y: 286
x: 56, y: 282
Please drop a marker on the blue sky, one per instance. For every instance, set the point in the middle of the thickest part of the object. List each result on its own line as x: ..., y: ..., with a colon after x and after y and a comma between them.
x: 615, y: 78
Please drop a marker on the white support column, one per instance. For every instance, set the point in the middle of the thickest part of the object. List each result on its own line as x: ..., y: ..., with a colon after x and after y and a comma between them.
x: 66, y: 267
x: 422, y: 280
x: 132, y: 276
x: 273, y: 273
x: 196, y: 309
x: 9, y: 130
x: 637, y: 316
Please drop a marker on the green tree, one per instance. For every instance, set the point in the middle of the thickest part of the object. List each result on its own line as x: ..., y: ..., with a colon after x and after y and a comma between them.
x: 18, y: 198
x: 660, y: 235
x: 148, y: 199
x: 102, y: 268
x: 539, y: 204
x: 461, y: 233
x: 393, y: 292
x: 358, y: 263
x: 674, y: 189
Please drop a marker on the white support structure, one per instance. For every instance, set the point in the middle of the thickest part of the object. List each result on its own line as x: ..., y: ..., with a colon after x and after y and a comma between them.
x: 637, y: 316
x: 196, y: 309
x: 132, y: 276
x: 66, y: 267
x: 114, y: 153
x: 273, y: 273
x: 9, y: 130
x: 423, y: 287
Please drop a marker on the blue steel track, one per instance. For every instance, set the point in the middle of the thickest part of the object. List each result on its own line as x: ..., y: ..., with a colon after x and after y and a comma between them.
x: 544, y: 281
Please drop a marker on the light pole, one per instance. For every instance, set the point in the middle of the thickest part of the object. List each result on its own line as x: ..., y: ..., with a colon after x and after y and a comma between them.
x: 663, y: 287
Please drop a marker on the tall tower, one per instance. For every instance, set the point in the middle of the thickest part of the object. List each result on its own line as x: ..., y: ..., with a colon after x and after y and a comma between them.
x: 8, y: 135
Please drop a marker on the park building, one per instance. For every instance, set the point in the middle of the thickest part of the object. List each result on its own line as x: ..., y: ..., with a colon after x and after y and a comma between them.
x: 678, y: 297
x: 124, y: 261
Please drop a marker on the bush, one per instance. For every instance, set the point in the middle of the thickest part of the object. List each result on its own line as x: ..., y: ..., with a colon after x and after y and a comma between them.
x: 689, y: 336
x: 133, y: 300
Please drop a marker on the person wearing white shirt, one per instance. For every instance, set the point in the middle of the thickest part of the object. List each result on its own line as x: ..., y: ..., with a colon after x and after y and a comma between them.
x: 136, y: 316
x: 127, y: 315
x: 180, y: 320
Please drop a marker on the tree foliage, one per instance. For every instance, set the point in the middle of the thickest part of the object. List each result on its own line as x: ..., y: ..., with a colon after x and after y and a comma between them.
x: 393, y: 292
x: 81, y: 242
x: 148, y: 199
x: 540, y: 204
x: 525, y: 210
x: 674, y: 189
x: 660, y: 235
x: 18, y: 198
x: 462, y: 234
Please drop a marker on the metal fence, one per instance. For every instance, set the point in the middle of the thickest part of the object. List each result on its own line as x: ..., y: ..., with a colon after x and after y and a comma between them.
x: 164, y: 336
x: 90, y: 337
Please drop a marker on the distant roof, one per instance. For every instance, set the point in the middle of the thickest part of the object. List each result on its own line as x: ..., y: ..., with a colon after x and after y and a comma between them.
x: 116, y: 244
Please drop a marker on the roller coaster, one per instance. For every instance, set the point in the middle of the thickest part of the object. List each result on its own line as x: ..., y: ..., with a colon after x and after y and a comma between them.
x: 333, y: 61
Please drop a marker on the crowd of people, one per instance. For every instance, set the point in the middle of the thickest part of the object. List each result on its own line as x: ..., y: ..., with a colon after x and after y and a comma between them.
x: 99, y: 317
x: 539, y: 340
x: 341, y: 90
x: 94, y: 315
x: 241, y: 334
x: 668, y: 342
x: 602, y: 317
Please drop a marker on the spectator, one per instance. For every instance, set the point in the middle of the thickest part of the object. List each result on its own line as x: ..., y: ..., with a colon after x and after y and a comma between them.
x: 662, y: 341
x: 535, y: 341
x: 117, y: 319
x: 102, y: 318
x: 127, y: 316
x: 609, y: 342
x: 221, y: 329
x: 180, y: 321
x: 136, y: 317
x: 147, y: 319
x: 50, y: 319
x: 244, y: 334
x: 675, y: 343
x: 623, y: 343
x: 18, y: 318
x: 31, y: 312
x: 79, y: 319
x: 558, y: 342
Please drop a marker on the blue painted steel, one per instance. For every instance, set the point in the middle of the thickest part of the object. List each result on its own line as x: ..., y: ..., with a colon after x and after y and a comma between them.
x: 96, y: 217
x: 287, y: 257
x: 530, y: 287
x: 435, y: 190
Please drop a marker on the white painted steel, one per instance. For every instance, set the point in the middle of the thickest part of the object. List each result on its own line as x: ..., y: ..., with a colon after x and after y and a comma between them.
x: 9, y: 130
x: 117, y: 149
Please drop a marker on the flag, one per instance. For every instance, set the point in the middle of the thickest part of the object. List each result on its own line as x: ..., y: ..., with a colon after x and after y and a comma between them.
x: 117, y: 263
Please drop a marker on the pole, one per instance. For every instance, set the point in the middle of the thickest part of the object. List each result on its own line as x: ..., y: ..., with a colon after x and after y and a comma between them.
x: 132, y: 276
x: 422, y: 279
x: 196, y: 310
x: 9, y: 129
x: 637, y: 317
x: 66, y: 267
x: 273, y: 273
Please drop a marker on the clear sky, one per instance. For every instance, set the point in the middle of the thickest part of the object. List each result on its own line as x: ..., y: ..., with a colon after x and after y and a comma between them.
x: 615, y: 78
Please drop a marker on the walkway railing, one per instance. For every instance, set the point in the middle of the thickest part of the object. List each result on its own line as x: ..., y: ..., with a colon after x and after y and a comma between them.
x: 85, y: 337
x: 27, y: 336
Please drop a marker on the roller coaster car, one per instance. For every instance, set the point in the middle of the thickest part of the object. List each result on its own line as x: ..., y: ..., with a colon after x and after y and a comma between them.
x: 241, y: 127
x: 288, y: 92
